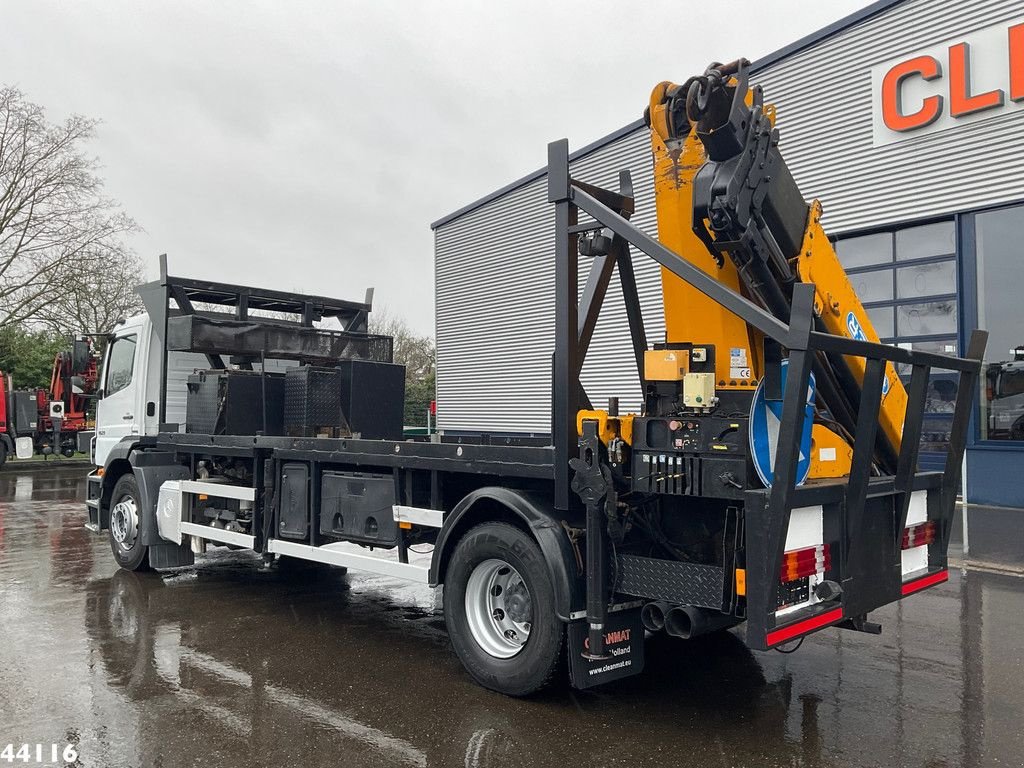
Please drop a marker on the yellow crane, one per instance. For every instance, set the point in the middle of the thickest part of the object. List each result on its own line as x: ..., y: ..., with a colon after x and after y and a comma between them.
x: 771, y: 473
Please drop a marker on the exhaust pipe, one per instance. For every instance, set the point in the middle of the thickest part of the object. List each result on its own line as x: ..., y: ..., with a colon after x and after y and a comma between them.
x: 652, y: 616
x: 686, y: 621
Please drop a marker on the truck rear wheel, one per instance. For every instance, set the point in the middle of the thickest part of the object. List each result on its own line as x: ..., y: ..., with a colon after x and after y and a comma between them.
x: 125, y: 542
x: 499, y: 606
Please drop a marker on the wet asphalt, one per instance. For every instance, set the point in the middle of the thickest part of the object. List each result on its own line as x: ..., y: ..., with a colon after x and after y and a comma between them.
x: 231, y: 664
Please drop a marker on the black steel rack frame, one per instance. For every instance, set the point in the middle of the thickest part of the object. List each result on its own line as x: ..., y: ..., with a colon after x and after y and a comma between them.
x: 865, y: 514
x: 231, y: 329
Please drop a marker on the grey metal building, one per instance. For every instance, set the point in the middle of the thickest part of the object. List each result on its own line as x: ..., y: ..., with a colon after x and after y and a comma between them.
x: 906, y: 120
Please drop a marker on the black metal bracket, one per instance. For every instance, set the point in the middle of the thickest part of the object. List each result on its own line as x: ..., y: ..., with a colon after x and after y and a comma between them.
x: 860, y: 624
x: 592, y: 483
x: 576, y: 318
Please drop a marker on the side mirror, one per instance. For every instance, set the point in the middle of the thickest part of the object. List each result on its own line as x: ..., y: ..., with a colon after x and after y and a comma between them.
x: 78, y: 385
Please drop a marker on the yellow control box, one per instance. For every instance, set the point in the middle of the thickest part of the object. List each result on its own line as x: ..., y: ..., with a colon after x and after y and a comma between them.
x: 699, y: 390
x: 665, y: 364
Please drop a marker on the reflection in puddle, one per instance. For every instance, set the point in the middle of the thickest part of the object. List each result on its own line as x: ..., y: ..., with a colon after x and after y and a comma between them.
x: 23, y: 485
x: 231, y: 663
x: 171, y: 656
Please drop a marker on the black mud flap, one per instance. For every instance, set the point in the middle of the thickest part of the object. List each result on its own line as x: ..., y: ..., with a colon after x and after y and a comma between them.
x: 624, y: 646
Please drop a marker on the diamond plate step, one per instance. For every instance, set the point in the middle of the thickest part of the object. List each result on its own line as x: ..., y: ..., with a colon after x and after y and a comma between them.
x: 671, y: 581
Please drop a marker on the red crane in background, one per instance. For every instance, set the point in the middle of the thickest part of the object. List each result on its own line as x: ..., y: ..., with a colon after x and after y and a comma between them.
x: 53, y: 418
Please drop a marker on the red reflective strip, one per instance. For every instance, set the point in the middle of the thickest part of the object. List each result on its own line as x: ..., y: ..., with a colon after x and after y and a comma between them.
x: 928, y: 581
x: 805, y: 626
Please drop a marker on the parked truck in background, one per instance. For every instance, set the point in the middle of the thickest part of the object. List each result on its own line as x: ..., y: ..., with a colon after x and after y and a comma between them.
x: 770, y: 479
x: 56, y: 419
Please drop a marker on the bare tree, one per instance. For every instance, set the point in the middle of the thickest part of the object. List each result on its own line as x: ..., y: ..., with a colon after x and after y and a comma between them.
x: 415, y: 352
x: 55, y: 222
x: 94, y: 299
x: 418, y: 355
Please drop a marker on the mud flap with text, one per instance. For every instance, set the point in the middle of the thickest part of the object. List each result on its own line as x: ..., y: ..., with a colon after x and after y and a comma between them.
x: 624, y: 646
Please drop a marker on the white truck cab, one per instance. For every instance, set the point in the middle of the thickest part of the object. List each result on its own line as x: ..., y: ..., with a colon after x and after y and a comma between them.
x: 129, y: 403
x: 128, y: 411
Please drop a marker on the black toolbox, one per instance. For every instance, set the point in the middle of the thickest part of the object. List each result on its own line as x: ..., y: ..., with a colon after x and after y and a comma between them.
x: 234, y: 402
x: 373, y: 398
x: 312, y: 402
x: 357, y: 506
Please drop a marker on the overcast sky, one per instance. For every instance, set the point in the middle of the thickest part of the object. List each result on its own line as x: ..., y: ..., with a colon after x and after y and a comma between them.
x: 308, y: 146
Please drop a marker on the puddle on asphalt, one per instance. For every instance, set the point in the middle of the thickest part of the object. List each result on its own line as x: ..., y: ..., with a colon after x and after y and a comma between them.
x: 233, y: 663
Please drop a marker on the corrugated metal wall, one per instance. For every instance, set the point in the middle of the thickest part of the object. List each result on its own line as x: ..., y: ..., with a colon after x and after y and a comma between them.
x: 494, y: 265
x: 823, y: 96
x: 494, y: 282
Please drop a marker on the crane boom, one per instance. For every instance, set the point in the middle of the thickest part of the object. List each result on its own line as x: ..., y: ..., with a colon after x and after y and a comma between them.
x: 728, y: 203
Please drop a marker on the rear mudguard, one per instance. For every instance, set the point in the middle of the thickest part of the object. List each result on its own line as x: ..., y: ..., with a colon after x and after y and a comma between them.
x: 536, y: 516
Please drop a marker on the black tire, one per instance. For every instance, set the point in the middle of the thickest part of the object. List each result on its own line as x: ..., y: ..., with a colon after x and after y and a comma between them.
x: 133, y: 557
x: 3, y: 453
x: 534, y: 665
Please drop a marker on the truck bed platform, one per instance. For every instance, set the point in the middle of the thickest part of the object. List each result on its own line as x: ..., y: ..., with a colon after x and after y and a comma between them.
x: 505, y: 460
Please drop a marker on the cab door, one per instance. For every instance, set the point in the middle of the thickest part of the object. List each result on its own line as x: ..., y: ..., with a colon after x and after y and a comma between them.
x: 118, y: 413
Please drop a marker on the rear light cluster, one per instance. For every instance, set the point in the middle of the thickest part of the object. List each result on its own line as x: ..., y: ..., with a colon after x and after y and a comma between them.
x: 801, y: 563
x: 919, y: 535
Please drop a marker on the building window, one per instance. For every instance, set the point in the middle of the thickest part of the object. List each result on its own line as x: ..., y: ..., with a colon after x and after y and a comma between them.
x: 865, y: 250
x: 926, y: 241
x: 907, y: 280
x: 934, y: 318
x: 1000, y: 294
x: 928, y: 279
x: 882, y: 319
x: 874, y: 285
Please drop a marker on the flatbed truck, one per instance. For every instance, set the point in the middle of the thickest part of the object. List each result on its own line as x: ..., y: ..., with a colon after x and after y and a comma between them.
x: 770, y: 480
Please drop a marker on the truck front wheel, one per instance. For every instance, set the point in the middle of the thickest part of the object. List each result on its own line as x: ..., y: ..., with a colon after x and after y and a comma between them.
x: 499, y: 606
x: 125, y: 542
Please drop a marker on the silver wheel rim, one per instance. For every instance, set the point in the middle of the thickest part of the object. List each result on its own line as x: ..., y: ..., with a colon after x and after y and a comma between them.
x: 499, y: 608
x: 124, y: 522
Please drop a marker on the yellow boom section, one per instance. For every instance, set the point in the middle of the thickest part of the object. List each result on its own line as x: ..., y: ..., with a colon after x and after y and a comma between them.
x: 690, y: 316
x: 842, y: 314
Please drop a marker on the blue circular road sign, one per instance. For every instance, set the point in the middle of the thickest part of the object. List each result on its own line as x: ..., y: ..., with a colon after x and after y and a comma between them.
x: 765, y: 418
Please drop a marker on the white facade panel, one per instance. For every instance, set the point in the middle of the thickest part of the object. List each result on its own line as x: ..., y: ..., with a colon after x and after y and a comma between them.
x: 495, y: 264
